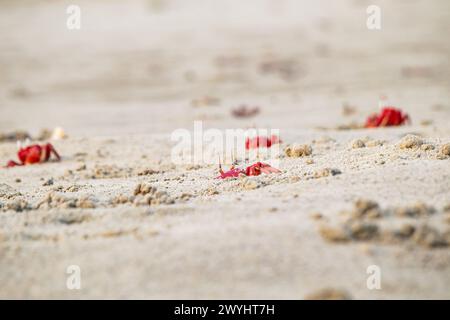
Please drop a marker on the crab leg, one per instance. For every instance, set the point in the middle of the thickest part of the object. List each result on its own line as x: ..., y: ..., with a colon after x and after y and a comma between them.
x: 12, y: 163
x: 54, y: 152
x: 269, y: 170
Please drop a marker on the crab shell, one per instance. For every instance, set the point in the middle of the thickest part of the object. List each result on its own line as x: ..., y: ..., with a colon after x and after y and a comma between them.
x: 32, y: 154
x: 389, y: 116
x: 260, y: 167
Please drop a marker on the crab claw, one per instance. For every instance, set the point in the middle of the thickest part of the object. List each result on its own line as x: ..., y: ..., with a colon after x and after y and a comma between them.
x: 12, y: 163
x: 371, y: 121
x: 267, y: 169
x: 259, y: 167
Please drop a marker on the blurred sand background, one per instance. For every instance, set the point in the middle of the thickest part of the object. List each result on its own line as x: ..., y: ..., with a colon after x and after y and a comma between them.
x: 128, y: 78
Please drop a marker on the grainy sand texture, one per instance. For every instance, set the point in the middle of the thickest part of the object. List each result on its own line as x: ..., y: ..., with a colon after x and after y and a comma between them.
x: 348, y: 200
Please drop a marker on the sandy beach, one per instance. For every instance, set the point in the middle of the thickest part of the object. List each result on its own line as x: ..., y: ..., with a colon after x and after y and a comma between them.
x: 140, y: 226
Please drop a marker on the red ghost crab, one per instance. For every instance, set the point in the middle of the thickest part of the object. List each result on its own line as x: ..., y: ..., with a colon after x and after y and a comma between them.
x: 261, y: 142
x: 254, y: 170
x: 389, y: 116
x: 34, y: 154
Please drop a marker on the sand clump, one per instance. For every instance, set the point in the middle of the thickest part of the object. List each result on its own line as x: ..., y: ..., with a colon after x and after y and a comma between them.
x: 374, y: 143
x: 444, y: 151
x: 11, y: 201
x: 351, y: 230
x: 430, y: 237
x: 405, y: 231
x: 363, y: 231
x: 426, y: 147
x: 8, y: 192
x: 326, y: 172
x: 422, y: 235
x: 358, y: 143
x: 366, y: 209
x: 143, y: 189
x: 211, y: 191
x: 410, y: 141
x: 365, y: 142
x: 357, y: 226
x: 298, y: 150
x: 21, y: 135
x: 57, y: 133
x: 44, y: 134
x: 333, y: 234
x: 14, y: 136
x: 17, y: 205
x: 415, y: 211
x: 329, y: 294
x: 54, y: 200
x: 145, y: 194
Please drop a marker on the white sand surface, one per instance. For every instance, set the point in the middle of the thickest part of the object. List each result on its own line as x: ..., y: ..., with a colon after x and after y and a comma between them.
x: 124, y: 82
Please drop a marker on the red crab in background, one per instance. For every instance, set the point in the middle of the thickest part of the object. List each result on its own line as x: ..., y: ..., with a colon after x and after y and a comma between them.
x: 253, y: 170
x: 261, y: 142
x: 245, y: 112
x: 34, y: 154
x: 389, y: 116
